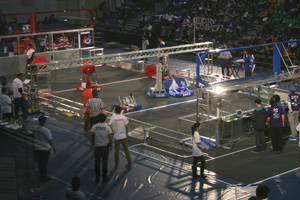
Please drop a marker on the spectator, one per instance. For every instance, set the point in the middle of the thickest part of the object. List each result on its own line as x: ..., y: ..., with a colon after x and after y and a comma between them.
x: 294, y: 108
x: 275, y: 119
x: 96, y: 106
x: 145, y: 44
x: 262, y: 192
x: 74, y: 193
x: 5, y: 105
x: 30, y: 54
x: 4, y: 48
x: 259, y: 122
x: 42, y: 147
x: 19, y: 97
x: 119, y: 124
x: 293, y: 46
x: 100, y: 138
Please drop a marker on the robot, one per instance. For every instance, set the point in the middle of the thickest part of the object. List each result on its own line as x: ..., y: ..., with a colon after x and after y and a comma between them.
x: 89, y: 78
x: 127, y: 104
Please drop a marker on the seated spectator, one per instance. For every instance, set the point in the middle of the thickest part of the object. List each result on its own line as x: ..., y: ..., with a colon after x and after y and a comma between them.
x: 4, y: 48
x: 293, y: 46
x: 75, y: 193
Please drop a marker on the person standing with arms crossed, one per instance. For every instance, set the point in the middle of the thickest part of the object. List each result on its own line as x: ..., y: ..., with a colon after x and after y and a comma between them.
x: 96, y: 106
x: 275, y: 118
x: 119, y: 123
x: 294, y: 107
x: 197, y: 152
x: 42, y: 147
x: 100, y: 137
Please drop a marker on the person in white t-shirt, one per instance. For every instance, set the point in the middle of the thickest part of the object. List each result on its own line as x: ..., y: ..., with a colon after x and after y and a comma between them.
x: 42, y: 147
x: 19, y: 97
x: 30, y: 54
x: 100, y: 137
x: 145, y: 44
x: 5, y: 104
x: 74, y: 192
x: 197, y: 152
x: 119, y: 123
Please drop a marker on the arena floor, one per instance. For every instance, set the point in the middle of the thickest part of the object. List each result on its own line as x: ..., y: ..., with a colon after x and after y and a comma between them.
x: 233, y: 173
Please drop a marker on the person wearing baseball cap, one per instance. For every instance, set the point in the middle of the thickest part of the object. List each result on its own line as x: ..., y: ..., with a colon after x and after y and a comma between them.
x: 42, y: 147
x: 294, y: 107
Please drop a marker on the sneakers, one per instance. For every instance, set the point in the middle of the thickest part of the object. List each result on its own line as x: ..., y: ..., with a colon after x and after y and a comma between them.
x: 279, y: 152
x: 292, y: 138
x: 45, y: 179
x: 255, y: 151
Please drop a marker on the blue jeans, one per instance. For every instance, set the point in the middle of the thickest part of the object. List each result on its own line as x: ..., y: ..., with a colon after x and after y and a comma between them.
x: 260, y: 140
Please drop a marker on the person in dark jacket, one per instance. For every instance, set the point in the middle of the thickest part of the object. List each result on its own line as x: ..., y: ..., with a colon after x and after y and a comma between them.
x: 259, y: 123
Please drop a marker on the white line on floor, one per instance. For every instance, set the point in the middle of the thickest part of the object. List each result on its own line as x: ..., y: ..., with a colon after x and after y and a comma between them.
x: 110, y: 83
x: 159, y: 107
x: 274, y: 176
x: 228, y: 154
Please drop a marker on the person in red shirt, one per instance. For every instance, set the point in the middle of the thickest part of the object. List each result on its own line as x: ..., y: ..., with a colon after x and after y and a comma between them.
x: 85, y: 96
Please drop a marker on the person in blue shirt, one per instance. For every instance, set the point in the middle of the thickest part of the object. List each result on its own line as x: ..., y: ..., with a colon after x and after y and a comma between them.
x: 249, y: 64
x: 4, y: 49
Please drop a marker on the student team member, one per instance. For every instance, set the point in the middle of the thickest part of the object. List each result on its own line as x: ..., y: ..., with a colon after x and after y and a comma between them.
x: 100, y: 137
x: 259, y: 123
x: 19, y: 97
x: 294, y: 106
x: 197, y: 152
x: 119, y: 123
x: 42, y: 147
x: 249, y: 64
x: 275, y: 118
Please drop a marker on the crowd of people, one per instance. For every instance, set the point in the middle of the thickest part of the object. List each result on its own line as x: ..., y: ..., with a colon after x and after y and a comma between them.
x: 174, y: 21
x: 40, y: 43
